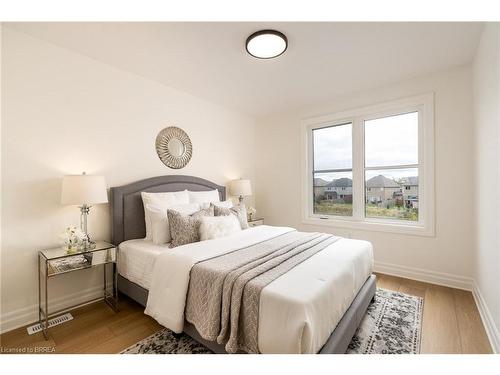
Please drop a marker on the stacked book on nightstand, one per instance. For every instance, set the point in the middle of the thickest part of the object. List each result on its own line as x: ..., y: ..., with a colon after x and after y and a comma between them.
x: 70, y: 263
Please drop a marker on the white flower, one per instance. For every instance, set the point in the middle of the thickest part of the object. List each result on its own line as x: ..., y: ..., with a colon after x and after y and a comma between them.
x: 72, y: 236
x: 78, y: 233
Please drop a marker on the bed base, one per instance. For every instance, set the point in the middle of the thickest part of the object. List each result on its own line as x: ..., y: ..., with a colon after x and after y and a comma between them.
x: 337, y: 343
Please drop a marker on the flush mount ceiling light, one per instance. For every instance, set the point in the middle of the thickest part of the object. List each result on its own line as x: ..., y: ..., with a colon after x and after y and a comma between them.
x: 266, y: 44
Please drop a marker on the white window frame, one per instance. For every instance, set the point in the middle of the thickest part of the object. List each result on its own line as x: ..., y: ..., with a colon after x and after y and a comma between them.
x: 425, y: 226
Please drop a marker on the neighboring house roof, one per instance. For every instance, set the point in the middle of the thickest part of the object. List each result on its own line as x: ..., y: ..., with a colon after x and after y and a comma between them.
x: 409, y: 181
x: 341, y: 182
x: 381, y: 182
x: 319, y: 182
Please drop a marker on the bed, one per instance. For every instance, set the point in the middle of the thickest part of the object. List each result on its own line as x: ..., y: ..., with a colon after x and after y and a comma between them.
x: 337, y: 280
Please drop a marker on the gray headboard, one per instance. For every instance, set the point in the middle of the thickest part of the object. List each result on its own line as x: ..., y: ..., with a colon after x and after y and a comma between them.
x: 127, y: 210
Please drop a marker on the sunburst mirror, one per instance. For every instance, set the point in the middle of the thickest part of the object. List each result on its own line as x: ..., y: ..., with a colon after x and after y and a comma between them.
x: 174, y: 147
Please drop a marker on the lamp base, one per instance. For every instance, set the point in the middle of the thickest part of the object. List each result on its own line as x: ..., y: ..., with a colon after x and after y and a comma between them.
x: 84, y: 213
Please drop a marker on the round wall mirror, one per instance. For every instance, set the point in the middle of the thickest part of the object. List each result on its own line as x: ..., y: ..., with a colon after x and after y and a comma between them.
x: 174, y: 147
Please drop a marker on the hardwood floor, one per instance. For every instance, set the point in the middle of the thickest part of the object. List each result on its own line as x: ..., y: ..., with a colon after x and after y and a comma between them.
x: 95, y: 328
x: 451, y: 324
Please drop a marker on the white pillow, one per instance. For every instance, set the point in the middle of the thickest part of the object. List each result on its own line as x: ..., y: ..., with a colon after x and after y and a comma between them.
x: 223, y: 204
x: 160, y: 233
x: 160, y: 229
x: 204, y: 196
x: 218, y: 226
x: 162, y: 201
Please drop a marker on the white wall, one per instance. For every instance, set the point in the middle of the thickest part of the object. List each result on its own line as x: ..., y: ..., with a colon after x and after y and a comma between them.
x: 487, y: 178
x: 445, y: 258
x: 65, y: 113
x: 1, y: 127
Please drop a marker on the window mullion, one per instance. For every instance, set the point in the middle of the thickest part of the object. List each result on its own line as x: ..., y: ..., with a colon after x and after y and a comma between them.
x: 358, y: 168
x: 333, y: 170
x: 388, y: 167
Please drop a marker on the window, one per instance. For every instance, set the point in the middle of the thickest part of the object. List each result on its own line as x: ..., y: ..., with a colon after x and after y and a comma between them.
x: 391, y: 160
x: 332, y: 169
x: 372, y: 168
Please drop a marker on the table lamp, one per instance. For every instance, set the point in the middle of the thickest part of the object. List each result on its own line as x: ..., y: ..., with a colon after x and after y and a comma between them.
x: 240, y: 188
x: 84, y: 190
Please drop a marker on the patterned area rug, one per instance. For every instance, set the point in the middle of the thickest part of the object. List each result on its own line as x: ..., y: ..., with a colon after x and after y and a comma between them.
x: 392, y: 325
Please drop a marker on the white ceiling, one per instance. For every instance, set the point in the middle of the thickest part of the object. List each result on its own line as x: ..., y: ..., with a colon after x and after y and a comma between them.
x: 323, y: 60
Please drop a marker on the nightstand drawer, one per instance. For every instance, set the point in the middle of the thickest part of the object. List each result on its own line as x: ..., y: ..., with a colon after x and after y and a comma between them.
x: 255, y: 223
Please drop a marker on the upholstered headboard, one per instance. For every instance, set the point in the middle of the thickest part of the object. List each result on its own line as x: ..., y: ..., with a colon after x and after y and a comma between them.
x: 127, y: 210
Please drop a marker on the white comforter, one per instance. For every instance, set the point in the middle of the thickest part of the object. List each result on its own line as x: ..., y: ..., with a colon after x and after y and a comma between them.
x: 297, y: 312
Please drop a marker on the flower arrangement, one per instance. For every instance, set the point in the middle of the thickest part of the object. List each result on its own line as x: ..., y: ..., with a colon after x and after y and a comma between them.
x: 251, y: 211
x: 74, y: 239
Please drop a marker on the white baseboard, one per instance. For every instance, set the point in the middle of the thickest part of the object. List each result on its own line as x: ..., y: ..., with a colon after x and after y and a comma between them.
x: 27, y: 315
x: 488, y: 322
x: 432, y: 277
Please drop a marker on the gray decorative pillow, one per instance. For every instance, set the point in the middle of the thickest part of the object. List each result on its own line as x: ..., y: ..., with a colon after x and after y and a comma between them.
x: 185, y: 229
x: 239, y: 211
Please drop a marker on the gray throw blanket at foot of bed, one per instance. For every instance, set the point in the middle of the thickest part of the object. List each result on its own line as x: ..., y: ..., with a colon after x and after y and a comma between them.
x: 224, y: 292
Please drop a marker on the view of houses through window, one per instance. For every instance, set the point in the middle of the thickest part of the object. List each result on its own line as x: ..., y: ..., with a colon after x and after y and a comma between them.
x: 333, y: 194
x: 390, y: 168
x: 333, y: 170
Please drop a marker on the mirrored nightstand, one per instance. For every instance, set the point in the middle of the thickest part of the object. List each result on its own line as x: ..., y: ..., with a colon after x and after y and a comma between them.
x: 57, y: 261
x: 255, y: 222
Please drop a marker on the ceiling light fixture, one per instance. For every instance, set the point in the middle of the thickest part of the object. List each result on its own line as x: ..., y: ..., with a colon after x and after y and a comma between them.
x: 266, y: 44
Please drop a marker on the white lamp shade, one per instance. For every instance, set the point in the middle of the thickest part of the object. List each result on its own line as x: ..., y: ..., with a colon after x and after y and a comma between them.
x: 240, y: 188
x: 83, y: 189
